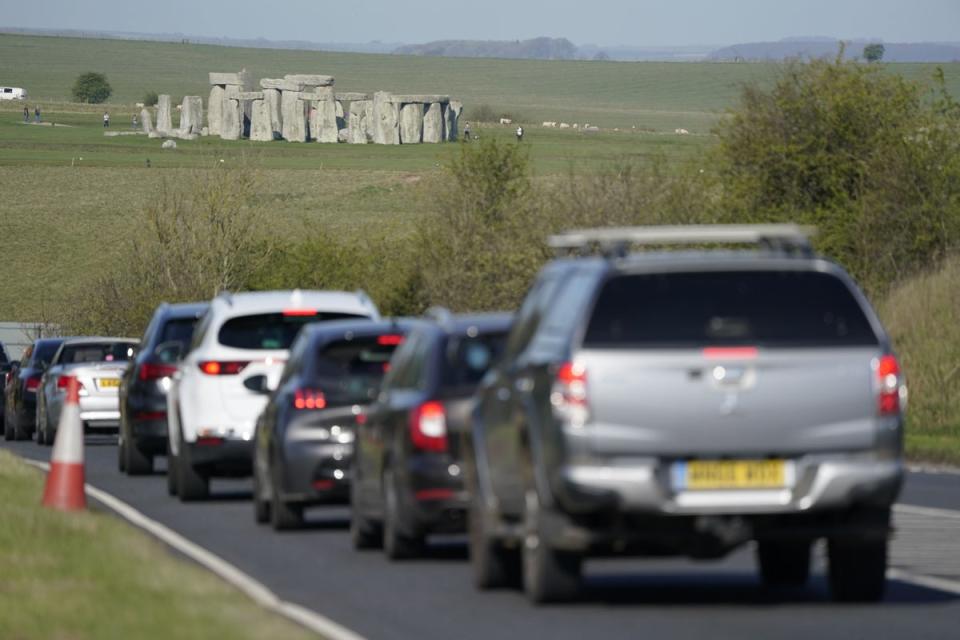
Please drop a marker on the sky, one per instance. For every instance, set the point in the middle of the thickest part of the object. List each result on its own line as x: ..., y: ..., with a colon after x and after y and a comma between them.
x: 602, y: 22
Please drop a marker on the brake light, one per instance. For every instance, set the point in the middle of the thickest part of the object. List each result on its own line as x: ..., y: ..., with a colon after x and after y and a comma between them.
x: 309, y: 399
x: 63, y: 382
x: 299, y: 312
x: 428, y: 427
x: 390, y: 340
x: 730, y: 353
x: 148, y: 371
x: 569, y: 393
x: 217, y: 368
x: 891, y: 385
x: 32, y: 384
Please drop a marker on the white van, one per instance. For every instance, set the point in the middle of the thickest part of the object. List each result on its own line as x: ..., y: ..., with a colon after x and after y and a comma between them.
x: 12, y: 93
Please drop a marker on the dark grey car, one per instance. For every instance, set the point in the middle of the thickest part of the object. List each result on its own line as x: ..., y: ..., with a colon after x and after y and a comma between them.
x: 143, y: 389
x: 685, y: 403
x: 20, y: 392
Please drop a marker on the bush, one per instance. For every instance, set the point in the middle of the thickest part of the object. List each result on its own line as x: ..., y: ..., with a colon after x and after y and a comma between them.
x: 481, y: 113
x: 855, y: 151
x: 92, y: 88
x: 150, y: 99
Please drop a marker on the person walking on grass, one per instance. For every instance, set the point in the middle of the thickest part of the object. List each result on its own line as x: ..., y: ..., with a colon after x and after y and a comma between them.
x: 466, y: 132
x: 26, y: 114
x: 106, y: 119
x: 36, y: 113
x: 519, y: 134
x: 134, y: 123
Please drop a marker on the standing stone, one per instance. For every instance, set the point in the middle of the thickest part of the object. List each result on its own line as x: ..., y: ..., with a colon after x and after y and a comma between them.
x: 272, y: 98
x: 261, y: 127
x: 191, y: 115
x: 164, y: 123
x: 358, y: 122
x: 294, y: 116
x: 323, y: 125
x: 215, y: 110
x: 341, y: 116
x: 231, y: 124
x: 386, y: 119
x: 433, y: 123
x: 411, y: 123
x: 146, y: 121
x: 451, y: 122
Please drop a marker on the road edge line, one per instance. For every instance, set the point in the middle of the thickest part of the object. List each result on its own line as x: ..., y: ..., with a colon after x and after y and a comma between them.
x: 252, y: 588
x: 930, y: 582
x: 930, y: 512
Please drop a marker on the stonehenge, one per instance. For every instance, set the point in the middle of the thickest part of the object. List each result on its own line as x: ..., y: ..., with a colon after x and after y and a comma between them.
x: 306, y: 108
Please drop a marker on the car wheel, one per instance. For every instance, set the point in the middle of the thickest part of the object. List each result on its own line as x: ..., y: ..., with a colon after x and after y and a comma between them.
x: 493, y: 565
x: 283, y: 515
x: 121, y: 454
x: 549, y: 575
x: 7, y: 430
x: 41, y: 431
x: 191, y: 484
x: 171, y: 472
x: 396, y: 544
x: 364, y: 533
x: 858, y: 569
x: 784, y: 563
x: 136, y: 462
x: 261, y: 507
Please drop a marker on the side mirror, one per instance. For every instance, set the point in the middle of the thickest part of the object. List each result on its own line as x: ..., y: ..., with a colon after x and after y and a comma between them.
x: 257, y: 384
x: 169, y: 352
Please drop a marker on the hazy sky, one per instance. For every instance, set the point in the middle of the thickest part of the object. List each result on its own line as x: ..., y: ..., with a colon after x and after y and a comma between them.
x: 605, y: 22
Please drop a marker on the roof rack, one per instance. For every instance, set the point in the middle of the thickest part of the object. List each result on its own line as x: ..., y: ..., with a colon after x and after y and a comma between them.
x: 615, y: 241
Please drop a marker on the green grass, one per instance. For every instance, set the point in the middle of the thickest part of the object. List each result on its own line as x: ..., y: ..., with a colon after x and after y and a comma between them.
x: 89, y: 575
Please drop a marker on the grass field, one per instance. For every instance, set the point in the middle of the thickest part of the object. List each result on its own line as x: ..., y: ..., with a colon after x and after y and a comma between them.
x: 88, y: 576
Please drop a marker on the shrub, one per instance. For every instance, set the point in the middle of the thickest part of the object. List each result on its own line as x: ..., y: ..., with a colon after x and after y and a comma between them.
x: 150, y: 99
x: 92, y: 88
x: 482, y: 113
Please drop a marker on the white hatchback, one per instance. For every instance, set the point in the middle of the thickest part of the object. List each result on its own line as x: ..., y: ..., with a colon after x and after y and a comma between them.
x: 239, y: 349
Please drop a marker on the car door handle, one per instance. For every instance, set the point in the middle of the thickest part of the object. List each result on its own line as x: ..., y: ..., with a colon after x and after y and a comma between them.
x: 523, y: 384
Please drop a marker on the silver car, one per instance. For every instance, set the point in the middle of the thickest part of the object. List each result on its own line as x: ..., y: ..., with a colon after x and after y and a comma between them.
x: 97, y: 364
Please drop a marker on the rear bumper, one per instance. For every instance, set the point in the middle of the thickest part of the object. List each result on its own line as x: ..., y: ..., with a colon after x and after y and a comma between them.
x: 821, y: 483
x: 232, y: 458
x: 147, y: 421
x: 316, y: 471
x: 432, y: 495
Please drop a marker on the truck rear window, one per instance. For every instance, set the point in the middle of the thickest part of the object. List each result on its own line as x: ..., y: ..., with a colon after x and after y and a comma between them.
x: 270, y: 330
x: 350, y: 371
x: 761, y: 308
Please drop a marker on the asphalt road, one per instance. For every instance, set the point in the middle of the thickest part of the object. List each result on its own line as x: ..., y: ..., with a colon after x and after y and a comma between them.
x: 434, y: 598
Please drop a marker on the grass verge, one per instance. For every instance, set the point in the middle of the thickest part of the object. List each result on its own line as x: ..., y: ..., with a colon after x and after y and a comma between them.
x: 87, y: 575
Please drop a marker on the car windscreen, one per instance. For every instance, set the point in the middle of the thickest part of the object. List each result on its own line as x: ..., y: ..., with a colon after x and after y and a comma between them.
x: 97, y: 352
x: 469, y: 358
x: 179, y: 330
x: 43, y: 353
x: 759, y: 308
x: 350, y: 371
x: 271, y: 330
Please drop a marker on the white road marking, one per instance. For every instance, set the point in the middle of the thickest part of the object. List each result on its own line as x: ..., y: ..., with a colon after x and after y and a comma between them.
x: 255, y: 590
x: 930, y: 582
x: 912, y: 510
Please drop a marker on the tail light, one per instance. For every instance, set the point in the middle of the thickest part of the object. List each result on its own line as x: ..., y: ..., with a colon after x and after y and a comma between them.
x: 569, y: 393
x: 148, y: 371
x: 390, y: 340
x: 64, y: 381
x: 428, y: 427
x: 220, y: 368
x: 33, y: 383
x: 309, y: 399
x: 892, y: 389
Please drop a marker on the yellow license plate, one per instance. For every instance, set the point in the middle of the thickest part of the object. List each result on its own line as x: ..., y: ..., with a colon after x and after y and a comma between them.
x: 108, y: 383
x: 730, y: 474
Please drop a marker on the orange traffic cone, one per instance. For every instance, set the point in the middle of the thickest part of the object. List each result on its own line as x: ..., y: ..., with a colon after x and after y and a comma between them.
x: 64, y: 489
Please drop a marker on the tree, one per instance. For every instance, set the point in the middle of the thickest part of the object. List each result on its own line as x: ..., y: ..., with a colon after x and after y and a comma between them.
x: 873, y: 52
x: 92, y: 87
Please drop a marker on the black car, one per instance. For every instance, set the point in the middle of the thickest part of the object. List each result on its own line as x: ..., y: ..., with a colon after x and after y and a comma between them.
x: 5, y: 366
x: 143, y: 390
x: 407, y: 481
x: 305, y: 435
x: 20, y: 394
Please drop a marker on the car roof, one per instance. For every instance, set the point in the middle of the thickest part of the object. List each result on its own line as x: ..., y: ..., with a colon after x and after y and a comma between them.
x: 184, y: 309
x: 483, y: 322
x: 69, y: 342
x: 703, y: 260
x: 322, y: 332
x: 251, y: 302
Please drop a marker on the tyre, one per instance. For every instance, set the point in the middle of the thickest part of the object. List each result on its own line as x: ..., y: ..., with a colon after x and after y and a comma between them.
x: 261, y: 507
x: 549, y: 575
x: 41, y: 428
x: 7, y: 430
x: 364, y: 533
x: 136, y: 462
x: 191, y: 483
x: 171, y: 472
x: 493, y: 565
x: 121, y: 454
x: 396, y: 544
x: 784, y: 563
x: 858, y: 569
x: 283, y: 515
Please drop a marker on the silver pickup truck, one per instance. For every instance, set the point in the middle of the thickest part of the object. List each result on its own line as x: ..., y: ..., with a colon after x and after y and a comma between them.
x: 686, y: 403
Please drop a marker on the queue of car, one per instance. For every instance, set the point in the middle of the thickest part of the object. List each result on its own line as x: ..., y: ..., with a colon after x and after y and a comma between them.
x: 638, y: 403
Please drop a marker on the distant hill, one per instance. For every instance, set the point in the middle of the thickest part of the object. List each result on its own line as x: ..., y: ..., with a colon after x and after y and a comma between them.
x: 536, y: 48
x: 825, y: 48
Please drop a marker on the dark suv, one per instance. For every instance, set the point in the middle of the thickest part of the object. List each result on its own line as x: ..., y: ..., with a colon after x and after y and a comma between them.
x: 685, y: 403
x: 305, y: 435
x: 143, y: 389
x: 407, y: 480
x: 20, y: 393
